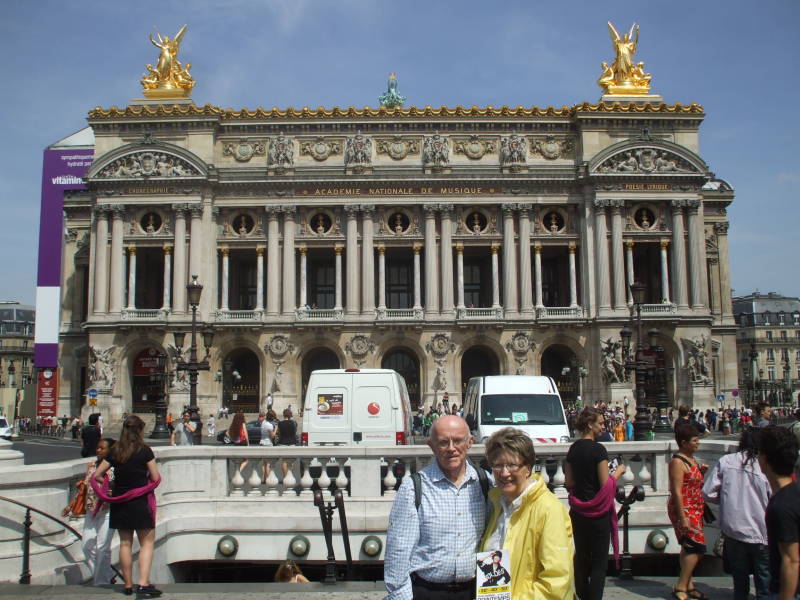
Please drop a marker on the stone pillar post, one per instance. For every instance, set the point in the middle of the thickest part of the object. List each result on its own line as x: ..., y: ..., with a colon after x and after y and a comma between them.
x: 367, y: 261
x: 431, y: 270
x: 460, y: 275
x: 616, y: 254
x: 601, y: 248
x: 573, y: 277
x: 338, y: 251
x: 629, y: 268
x: 381, y: 279
x: 131, y: 277
x: 289, y: 278
x: 196, y: 240
x: 664, y: 271
x: 179, y: 270
x: 716, y: 299
x: 273, y: 263
x: 726, y: 307
x: 537, y: 261
x: 303, y: 277
x: 167, y: 277
x: 525, y: 287
x: 101, y: 263
x: 495, y: 276
x: 447, y: 259
x: 417, y: 279
x: 353, y: 270
x: 116, y: 284
x: 696, y: 253
x: 225, y: 252
x: 259, y: 279
x: 679, y: 292
x: 509, y: 261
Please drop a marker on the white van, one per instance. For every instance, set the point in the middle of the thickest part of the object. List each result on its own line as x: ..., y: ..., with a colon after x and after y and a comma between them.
x: 368, y: 407
x: 530, y: 403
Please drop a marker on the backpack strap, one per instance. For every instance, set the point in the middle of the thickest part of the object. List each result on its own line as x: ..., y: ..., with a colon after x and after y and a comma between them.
x: 416, y: 479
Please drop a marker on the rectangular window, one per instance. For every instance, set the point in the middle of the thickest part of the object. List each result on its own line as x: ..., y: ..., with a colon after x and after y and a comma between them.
x: 781, y: 320
x: 322, y: 284
x: 769, y: 335
x: 797, y: 356
x: 784, y: 354
x: 771, y: 373
x: 770, y: 354
x: 25, y: 344
x: 477, y: 282
x: 399, y: 285
x: 783, y: 335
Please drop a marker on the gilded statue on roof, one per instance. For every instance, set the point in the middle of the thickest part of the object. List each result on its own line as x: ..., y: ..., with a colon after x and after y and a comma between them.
x: 169, y: 78
x: 624, y: 77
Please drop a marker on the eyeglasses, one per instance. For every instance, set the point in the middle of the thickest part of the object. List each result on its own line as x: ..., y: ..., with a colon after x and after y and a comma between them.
x: 511, y: 467
x: 445, y: 444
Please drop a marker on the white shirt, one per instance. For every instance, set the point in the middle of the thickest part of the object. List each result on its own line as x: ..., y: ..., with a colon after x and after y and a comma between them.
x: 266, y: 433
x: 498, y: 537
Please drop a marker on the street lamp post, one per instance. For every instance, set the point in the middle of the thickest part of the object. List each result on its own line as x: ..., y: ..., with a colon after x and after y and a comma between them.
x: 160, y: 430
x: 194, y: 366
x: 636, y: 363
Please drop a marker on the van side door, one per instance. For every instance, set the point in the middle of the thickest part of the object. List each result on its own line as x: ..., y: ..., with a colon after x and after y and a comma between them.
x: 372, y: 410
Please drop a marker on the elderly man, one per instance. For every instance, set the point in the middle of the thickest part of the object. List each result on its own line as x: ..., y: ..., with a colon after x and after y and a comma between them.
x: 430, y: 545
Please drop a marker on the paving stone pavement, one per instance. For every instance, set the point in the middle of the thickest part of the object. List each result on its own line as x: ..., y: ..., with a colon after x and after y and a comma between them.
x: 616, y: 589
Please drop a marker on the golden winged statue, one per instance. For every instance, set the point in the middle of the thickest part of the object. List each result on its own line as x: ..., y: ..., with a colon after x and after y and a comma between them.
x: 624, y: 77
x: 169, y: 79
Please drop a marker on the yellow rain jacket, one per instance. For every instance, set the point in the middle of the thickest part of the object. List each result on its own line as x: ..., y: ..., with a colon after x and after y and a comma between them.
x: 539, y: 540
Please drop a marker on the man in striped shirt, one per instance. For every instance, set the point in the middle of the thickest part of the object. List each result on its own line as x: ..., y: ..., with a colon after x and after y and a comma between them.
x: 430, y: 550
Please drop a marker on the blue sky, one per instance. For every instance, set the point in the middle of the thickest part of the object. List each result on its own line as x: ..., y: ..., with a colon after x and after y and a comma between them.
x: 739, y: 59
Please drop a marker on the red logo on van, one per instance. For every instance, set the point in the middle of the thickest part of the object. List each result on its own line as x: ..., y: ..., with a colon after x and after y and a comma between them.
x: 373, y: 408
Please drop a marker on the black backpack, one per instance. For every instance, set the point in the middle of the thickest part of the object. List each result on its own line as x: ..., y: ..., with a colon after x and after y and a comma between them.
x: 416, y: 479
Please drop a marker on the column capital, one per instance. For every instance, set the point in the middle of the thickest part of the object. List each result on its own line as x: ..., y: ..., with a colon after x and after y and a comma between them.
x: 167, y: 249
x: 537, y: 248
x: 416, y: 248
x: 288, y: 210
x: 460, y: 248
x: 337, y: 250
x: 224, y: 251
x: 693, y: 205
x: 117, y: 210
x: 629, y: 244
x: 721, y: 228
x: 272, y: 211
x: 495, y: 248
x: 368, y: 210
x: 259, y: 250
x: 446, y: 210
x: 302, y: 250
x: 180, y: 209
x: 101, y: 210
x: 616, y: 205
x: 508, y: 209
x: 351, y: 210
x: 677, y: 205
x: 572, y: 247
x: 430, y: 210
x: 131, y: 250
x: 381, y: 249
x: 196, y: 210
x: 600, y: 205
x: 664, y: 244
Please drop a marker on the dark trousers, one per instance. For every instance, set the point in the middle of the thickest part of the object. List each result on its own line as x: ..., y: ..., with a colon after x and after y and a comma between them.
x: 742, y: 559
x: 591, y: 555
x: 424, y: 592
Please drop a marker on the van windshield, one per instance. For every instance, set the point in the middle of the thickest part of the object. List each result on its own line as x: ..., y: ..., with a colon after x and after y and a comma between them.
x: 521, y: 409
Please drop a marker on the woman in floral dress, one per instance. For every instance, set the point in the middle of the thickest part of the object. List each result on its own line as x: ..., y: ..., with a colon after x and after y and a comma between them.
x: 685, y: 509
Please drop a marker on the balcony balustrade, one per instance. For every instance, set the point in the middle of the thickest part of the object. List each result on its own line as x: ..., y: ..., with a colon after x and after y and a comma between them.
x: 560, y: 313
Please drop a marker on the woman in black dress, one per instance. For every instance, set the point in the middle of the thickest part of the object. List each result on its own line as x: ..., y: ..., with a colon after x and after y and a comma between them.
x: 586, y: 471
x: 134, y: 467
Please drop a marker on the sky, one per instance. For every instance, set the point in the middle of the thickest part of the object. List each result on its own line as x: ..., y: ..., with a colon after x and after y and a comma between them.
x: 737, y: 58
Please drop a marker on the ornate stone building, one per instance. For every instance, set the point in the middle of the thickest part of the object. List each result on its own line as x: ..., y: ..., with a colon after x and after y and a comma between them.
x: 441, y: 242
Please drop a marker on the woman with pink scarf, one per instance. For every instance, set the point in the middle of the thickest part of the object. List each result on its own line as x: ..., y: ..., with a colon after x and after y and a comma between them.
x: 133, y: 504
x: 591, y: 499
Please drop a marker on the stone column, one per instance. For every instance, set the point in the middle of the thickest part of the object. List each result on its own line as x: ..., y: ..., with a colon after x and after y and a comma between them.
x: 573, y: 277
x: 259, y: 279
x: 101, y: 263
x: 303, y: 277
x: 716, y: 299
x: 679, y: 292
x: 196, y: 241
x: 273, y: 263
x: 417, y: 279
x: 289, y: 278
x: 601, y: 248
x: 225, y: 252
x: 664, y: 271
x: 696, y: 253
x: 367, y: 261
x: 537, y: 261
x: 381, y: 279
x: 338, y: 251
x: 431, y: 270
x: 726, y: 307
x: 447, y: 259
x: 616, y: 254
x: 495, y: 276
x: 131, y: 277
x: 179, y: 270
x: 526, y: 302
x: 509, y: 261
x: 629, y: 266
x: 117, y: 269
x: 460, y: 275
x: 353, y: 270
x: 167, y: 277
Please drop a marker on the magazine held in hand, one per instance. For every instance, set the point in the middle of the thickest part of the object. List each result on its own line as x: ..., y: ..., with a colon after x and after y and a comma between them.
x: 493, y: 575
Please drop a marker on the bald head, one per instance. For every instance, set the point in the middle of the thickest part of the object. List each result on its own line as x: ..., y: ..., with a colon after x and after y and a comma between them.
x: 449, y: 425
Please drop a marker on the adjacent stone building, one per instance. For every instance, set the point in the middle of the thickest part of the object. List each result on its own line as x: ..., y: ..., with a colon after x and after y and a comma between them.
x: 768, y: 344
x: 441, y: 242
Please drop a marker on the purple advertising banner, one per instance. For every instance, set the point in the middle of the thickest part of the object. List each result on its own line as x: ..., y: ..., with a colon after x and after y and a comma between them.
x: 63, y: 169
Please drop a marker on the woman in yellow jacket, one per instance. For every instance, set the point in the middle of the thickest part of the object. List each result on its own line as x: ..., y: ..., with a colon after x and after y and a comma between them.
x: 528, y: 521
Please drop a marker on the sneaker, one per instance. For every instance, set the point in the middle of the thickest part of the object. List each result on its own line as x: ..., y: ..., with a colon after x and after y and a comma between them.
x: 147, y: 591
